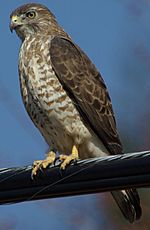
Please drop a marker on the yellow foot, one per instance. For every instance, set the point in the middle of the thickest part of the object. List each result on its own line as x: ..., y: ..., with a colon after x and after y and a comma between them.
x: 51, y: 156
x: 67, y: 159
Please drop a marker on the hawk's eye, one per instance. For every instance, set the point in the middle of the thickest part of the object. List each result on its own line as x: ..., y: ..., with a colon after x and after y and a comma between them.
x: 30, y: 14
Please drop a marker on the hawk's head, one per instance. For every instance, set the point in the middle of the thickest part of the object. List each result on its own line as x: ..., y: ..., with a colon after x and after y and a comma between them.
x: 31, y: 18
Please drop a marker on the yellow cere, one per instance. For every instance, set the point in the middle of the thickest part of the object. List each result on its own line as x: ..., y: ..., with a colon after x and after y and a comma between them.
x: 14, y: 18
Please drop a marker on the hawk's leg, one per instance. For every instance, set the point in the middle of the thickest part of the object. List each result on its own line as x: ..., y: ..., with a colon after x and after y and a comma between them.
x: 67, y: 159
x: 50, y: 158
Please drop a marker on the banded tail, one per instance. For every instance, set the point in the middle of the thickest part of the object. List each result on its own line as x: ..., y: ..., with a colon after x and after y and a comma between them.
x: 129, y: 203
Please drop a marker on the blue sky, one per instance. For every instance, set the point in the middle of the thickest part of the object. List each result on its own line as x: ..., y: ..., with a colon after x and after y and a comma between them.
x: 115, y: 35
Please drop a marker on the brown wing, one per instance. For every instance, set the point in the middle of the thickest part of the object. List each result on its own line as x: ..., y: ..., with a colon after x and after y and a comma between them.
x: 85, y: 86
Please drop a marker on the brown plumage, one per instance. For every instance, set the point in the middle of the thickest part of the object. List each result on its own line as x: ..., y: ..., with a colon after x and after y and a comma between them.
x: 66, y: 96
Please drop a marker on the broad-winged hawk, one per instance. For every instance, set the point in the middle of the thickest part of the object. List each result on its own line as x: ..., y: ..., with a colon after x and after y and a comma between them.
x: 65, y: 96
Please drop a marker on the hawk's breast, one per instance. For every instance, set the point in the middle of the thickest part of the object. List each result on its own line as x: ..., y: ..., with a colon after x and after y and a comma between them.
x: 47, y: 103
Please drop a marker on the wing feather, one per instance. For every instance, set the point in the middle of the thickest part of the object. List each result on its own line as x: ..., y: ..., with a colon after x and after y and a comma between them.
x: 85, y: 86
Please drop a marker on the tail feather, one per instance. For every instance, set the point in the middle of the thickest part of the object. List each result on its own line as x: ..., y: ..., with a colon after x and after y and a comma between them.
x: 129, y: 203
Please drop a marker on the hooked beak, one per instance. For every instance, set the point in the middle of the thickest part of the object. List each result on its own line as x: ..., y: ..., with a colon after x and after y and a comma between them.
x: 15, y: 21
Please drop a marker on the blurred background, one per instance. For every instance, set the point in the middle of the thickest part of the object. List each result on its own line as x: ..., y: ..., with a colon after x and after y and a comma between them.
x: 116, y: 36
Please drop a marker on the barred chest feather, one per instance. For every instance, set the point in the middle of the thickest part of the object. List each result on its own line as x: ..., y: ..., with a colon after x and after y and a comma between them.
x: 46, y: 102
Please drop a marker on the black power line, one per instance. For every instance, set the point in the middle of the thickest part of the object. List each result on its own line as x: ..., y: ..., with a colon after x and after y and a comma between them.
x: 84, y: 177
